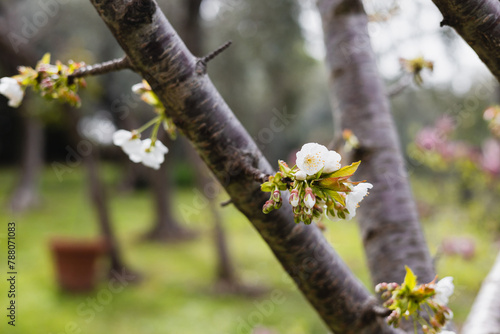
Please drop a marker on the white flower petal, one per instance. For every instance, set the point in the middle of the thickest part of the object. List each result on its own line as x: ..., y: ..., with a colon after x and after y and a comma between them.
x: 153, y: 156
x: 311, y: 158
x: 132, y: 146
x: 332, y: 162
x: 121, y: 136
x: 12, y: 90
x: 354, y: 197
x: 444, y: 289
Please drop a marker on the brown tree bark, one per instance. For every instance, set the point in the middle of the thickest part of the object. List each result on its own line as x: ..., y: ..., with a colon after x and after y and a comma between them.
x: 478, y: 22
x: 180, y: 80
x: 390, y: 228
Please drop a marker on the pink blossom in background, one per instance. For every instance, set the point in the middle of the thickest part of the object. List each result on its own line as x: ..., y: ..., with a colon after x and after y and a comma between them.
x: 490, y: 159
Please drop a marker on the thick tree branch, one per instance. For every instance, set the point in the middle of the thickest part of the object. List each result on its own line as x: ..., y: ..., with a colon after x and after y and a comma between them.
x: 198, y: 110
x: 484, y: 317
x: 389, y: 225
x: 478, y: 22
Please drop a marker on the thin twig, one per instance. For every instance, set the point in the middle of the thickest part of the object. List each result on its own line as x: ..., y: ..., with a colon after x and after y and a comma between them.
x: 201, y: 65
x: 226, y: 203
x: 101, y: 68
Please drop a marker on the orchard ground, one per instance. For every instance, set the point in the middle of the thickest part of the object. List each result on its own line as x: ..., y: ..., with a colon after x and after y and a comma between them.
x: 175, y: 295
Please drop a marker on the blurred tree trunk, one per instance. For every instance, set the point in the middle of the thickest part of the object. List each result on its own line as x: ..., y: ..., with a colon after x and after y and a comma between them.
x: 477, y: 22
x: 26, y: 194
x: 484, y: 316
x: 390, y: 228
x: 198, y: 110
x: 226, y: 278
x: 165, y: 228
x: 99, y: 200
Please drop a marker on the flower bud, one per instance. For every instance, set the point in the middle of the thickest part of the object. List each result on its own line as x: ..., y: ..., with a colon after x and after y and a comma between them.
x: 309, y: 199
x: 300, y: 175
x: 268, y: 206
x: 276, y: 195
x: 294, y: 197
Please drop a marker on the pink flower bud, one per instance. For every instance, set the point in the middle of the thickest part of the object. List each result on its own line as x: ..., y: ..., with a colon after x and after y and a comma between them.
x: 294, y: 197
x: 268, y: 206
x: 276, y: 195
x: 309, y: 199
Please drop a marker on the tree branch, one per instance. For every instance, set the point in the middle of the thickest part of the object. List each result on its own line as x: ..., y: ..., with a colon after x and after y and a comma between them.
x: 102, y: 68
x: 483, y: 317
x: 198, y: 110
x: 201, y: 65
x: 478, y: 22
x: 388, y: 217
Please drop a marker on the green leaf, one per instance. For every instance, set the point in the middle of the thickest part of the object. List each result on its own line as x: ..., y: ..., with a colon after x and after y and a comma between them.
x: 45, y: 59
x: 333, y: 183
x: 267, y: 187
x: 410, y: 279
x: 335, y: 195
x: 345, y: 172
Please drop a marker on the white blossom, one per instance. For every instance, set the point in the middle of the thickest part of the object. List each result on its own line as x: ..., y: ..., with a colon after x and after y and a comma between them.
x: 447, y: 332
x: 332, y: 162
x: 444, y: 289
x: 354, y: 197
x: 130, y: 144
x: 154, y: 155
x: 12, y: 90
x: 311, y: 158
x: 300, y: 175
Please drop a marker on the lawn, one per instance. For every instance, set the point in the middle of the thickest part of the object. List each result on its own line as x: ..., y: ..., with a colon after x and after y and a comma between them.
x: 176, y: 294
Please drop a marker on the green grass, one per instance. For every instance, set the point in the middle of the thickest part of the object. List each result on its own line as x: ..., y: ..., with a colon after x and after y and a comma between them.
x: 176, y: 295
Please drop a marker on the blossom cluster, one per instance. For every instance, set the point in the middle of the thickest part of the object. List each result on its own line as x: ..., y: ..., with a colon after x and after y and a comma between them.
x: 415, y: 66
x: 435, y: 147
x: 151, y: 151
x: 409, y: 299
x: 50, y: 81
x: 317, y: 184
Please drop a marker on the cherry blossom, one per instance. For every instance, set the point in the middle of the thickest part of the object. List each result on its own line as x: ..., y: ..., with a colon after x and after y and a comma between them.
x: 153, y: 155
x: 130, y: 144
x: 12, y: 90
x: 444, y: 289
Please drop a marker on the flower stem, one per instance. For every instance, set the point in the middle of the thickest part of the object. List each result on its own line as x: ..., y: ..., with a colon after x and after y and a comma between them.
x: 154, y: 134
x: 148, y: 124
x: 415, y: 325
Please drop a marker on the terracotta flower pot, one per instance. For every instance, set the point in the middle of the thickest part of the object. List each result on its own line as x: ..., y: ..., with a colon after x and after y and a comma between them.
x: 76, y: 262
